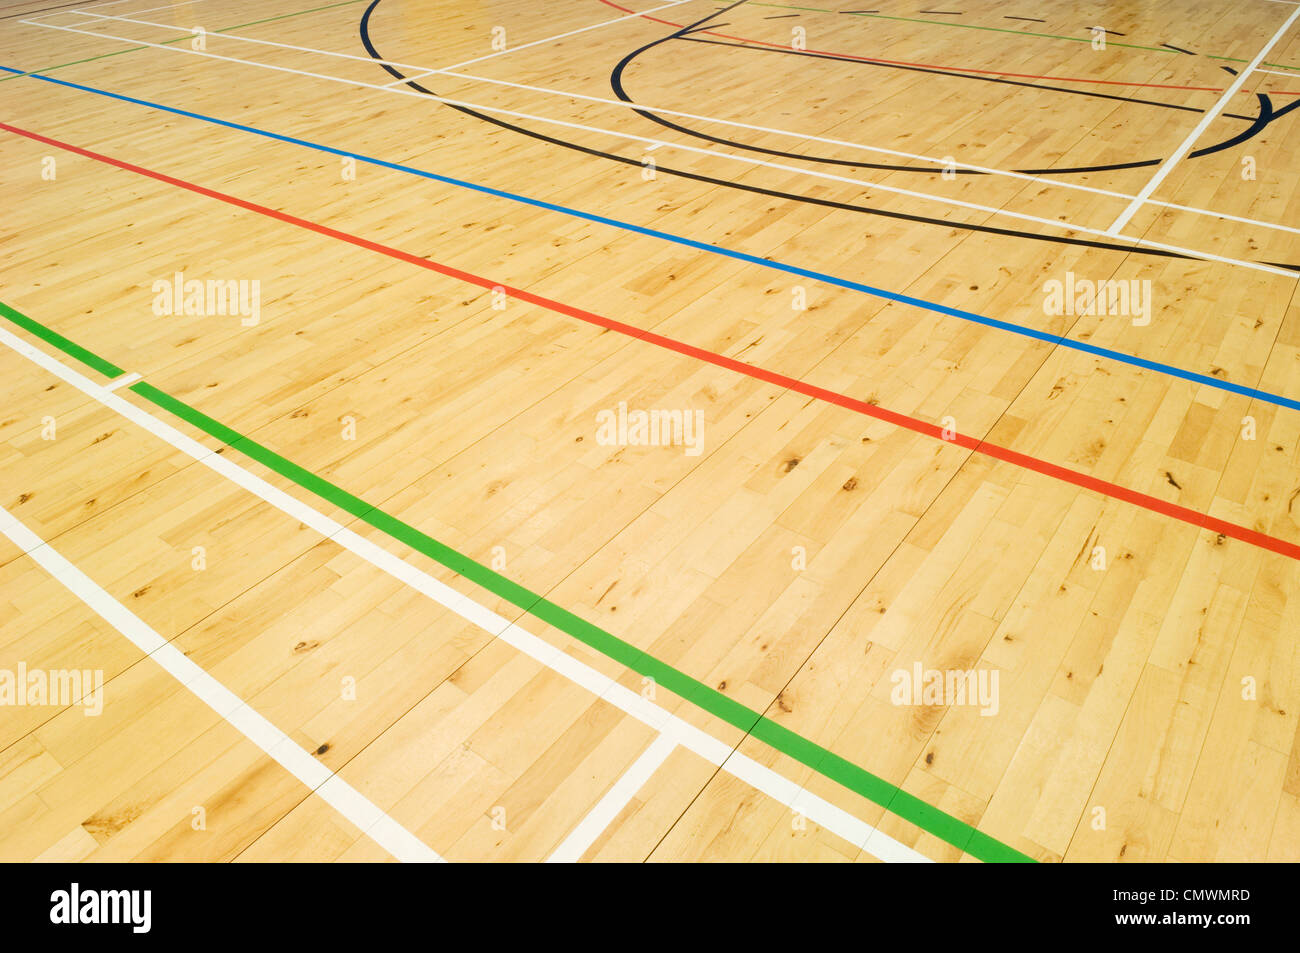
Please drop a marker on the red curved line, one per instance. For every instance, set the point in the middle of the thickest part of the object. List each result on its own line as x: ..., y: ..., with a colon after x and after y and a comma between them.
x: 951, y: 69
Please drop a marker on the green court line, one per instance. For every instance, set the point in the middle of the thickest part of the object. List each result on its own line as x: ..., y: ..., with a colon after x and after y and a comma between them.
x: 998, y: 29
x: 967, y: 26
x: 1234, y: 59
x: 827, y: 763
x: 93, y: 361
x: 238, y: 26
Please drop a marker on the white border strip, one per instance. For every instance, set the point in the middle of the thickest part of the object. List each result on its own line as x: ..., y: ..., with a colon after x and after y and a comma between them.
x: 278, y: 746
x: 611, y: 805
x: 1168, y: 165
x: 839, y: 822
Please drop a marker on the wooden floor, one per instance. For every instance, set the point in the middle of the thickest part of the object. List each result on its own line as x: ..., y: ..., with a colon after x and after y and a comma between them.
x: 382, y: 566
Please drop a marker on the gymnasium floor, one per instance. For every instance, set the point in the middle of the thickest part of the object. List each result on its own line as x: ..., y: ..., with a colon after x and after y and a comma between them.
x: 335, y: 523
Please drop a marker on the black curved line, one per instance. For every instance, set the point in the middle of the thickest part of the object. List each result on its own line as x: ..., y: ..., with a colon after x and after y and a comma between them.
x: 1266, y: 116
x: 956, y: 72
x: 987, y: 229
x: 32, y: 13
x: 1257, y: 123
x: 616, y: 82
x: 771, y: 193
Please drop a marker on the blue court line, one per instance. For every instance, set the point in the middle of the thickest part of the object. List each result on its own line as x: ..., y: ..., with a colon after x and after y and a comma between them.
x: 1060, y: 340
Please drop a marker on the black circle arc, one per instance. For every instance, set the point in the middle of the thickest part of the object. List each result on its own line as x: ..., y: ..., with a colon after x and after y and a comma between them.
x: 374, y: 54
x: 1266, y: 115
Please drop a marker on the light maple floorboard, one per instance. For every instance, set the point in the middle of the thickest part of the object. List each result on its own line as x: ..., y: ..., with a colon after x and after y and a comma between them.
x: 1148, y: 707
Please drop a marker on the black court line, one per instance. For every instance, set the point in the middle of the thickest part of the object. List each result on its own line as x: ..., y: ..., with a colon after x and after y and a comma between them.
x: 959, y: 75
x: 1030, y: 19
x: 1258, y: 122
x: 859, y: 11
x: 635, y: 162
x: 32, y: 13
x: 1104, y: 30
x: 942, y: 13
x: 783, y: 16
x: 1177, y: 49
x: 1265, y: 117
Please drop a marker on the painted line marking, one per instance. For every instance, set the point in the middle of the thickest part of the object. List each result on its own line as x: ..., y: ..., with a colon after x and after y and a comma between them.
x: 40, y: 14
x: 1053, y: 223
x: 966, y: 26
x: 136, y: 13
x: 1259, y: 69
x: 1177, y: 155
x: 968, y: 442
x: 701, y: 743
x: 561, y: 36
x: 615, y: 800
x: 425, y: 72
x: 133, y: 49
x: 277, y: 745
x: 112, y: 3
x: 1055, y: 340
x: 1138, y: 242
x: 952, y: 69
x: 124, y: 381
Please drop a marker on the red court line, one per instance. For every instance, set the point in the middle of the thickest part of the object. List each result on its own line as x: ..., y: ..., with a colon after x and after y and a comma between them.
x: 951, y: 69
x: 974, y: 444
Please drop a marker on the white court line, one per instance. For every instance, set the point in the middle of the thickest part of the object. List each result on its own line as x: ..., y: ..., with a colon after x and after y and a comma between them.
x: 1168, y: 165
x: 340, y: 795
x: 81, y: 13
x: 37, y: 15
x: 126, y: 380
x: 611, y: 805
x: 170, y: 6
x: 560, y: 36
x: 834, y: 819
x: 747, y: 160
x: 1273, y: 72
x: 1022, y: 176
x: 111, y: 3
